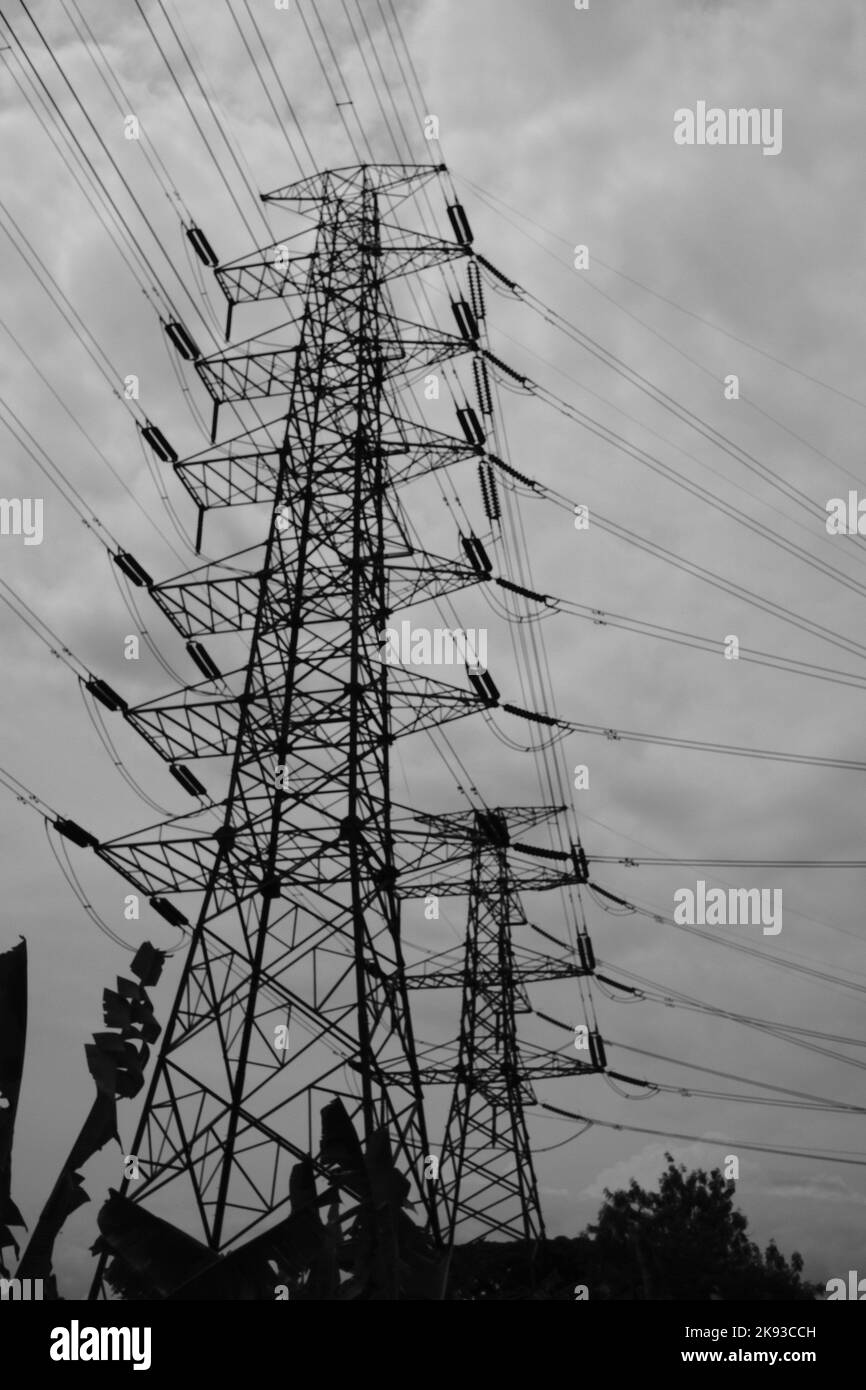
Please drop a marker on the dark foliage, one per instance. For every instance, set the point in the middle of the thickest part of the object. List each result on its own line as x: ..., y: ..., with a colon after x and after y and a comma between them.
x: 685, y: 1241
x: 371, y: 1251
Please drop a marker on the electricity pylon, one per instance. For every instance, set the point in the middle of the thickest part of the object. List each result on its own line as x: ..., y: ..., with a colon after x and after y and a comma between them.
x: 486, y: 1173
x: 293, y: 988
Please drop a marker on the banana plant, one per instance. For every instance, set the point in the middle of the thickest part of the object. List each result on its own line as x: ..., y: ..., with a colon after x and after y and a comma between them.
x: 367, y: 1249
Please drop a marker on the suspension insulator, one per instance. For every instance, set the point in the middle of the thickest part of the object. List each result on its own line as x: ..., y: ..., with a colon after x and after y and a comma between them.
x: 596, y: 1051
x: 477, y: 555
x: 538, y: 852
x: 581, y: 868
x: 489, y: 494
x: 465, y: 320
x: 132, y: 569
x: 504, y: 367
x: 586, y: 953
x: 460, y: 223
x: 482, y: 385
x: 483, y: 470
x: 159, y: 444
x: 512, y: 472
x: 484, y: 687
x: 76, y: 833
x: 491, y: 269
x: 471, y: 425
x: 203, y: 661
x: 102, y: 691
x: 476, y: 291
x: 202, y: 247
x: 186, y: 346
x: 187, y: 780
x: 169, y: 912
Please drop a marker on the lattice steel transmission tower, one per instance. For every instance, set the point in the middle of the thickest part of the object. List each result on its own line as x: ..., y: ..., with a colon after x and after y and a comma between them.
x: 486, y: 1171
x: 294, y: 988
x: 488, y: 1176
x: 492, y: 1179
x: 299, y: 923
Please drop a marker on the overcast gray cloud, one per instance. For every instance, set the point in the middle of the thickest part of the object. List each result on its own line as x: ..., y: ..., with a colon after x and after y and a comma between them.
x: 567, y: 118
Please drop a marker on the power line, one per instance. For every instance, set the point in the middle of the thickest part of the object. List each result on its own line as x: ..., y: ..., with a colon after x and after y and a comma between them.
x: 197, y: 124
x: 280, y: 122
x: 514, y: 557
x: 140, y: 210
x: 601, y: 617
x: 717, y: 503
x: 635, y: 862
x: 820, y: 1101
x: 667, y: 300
x: 78, y: 425
x: 732, y: 944
x: 162, y: 174
x: 795, y: 1034
x: 729, y: 586
x: 824, y: 1155
x: 695, y: 745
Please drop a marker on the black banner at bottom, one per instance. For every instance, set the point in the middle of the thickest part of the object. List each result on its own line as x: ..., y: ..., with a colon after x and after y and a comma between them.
x: 63, y: 1339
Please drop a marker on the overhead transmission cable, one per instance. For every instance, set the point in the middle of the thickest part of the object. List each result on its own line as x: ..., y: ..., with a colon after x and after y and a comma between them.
x: 818, y: 1156
x: 717, y: 328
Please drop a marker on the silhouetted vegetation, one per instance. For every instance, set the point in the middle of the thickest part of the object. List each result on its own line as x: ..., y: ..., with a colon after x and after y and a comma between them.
x: 685, y: 1241
x: 368, y: 1249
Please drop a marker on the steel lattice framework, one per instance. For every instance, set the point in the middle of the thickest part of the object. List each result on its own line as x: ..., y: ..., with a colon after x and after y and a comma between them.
x: 301, y: 876
x: 486, y: 1173
x: 488, y: 1161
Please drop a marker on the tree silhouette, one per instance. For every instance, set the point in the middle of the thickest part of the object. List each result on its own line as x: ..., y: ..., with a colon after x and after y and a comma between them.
x: 685, y: 1241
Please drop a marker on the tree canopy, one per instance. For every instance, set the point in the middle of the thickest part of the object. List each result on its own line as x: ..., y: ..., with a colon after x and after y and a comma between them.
x: 684, y: 1241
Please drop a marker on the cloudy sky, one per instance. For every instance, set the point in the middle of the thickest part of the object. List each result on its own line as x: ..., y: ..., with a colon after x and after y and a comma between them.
x: 704, y: 262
